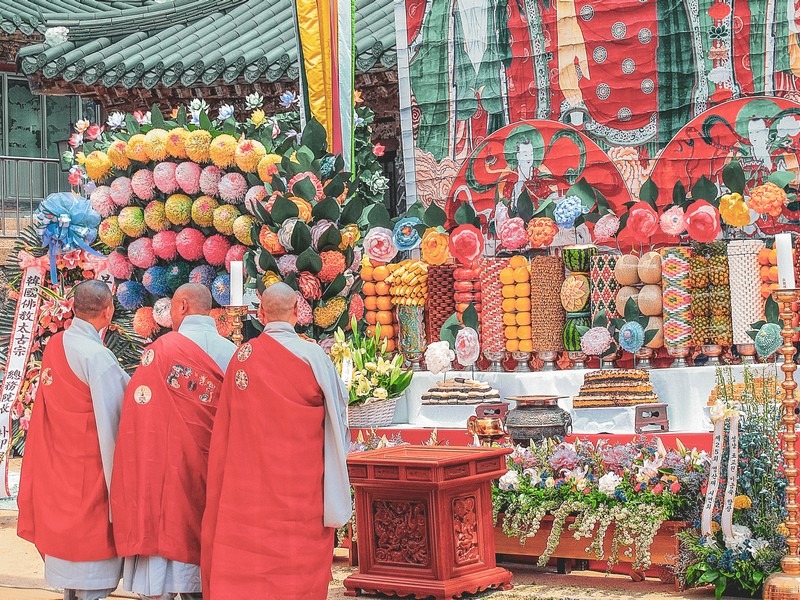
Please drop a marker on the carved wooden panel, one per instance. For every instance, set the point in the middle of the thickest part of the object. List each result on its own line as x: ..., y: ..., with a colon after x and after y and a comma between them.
x: 465, y: 530
x: 401, y: 532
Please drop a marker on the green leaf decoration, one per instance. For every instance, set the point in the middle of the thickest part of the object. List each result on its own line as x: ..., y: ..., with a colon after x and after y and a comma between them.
x: 205, y: 122
x: 301, y: 237
x: 291, y: 281
x: 649, y: 336
x: 416, y: 210
x: 309, y: 261
x: 631, y: 310
x: 262, y: 213
x: 733, y: 177
x: 352, y: 211
x: 758, y: 325
x: 470, y: 317
x: 379, y: 217
x: 284, y: 209
x: 545, y: 209
x: 583, y: 190
x: 649, y: 192
x: 229, y: 126
x: 704, y: 189
x: 525, y: 206
x: 250, y: 264
x: 600, y: 319
x: 465, y: 214
x: 131, y: 124
x: 156, y: 118
x: 582, y: 330
x: 278, y: 185
x: 267, y: 262
x: 304, y: 189
x: 617, y: 323
x: 678, y: 194
x: 421, y: 229
x: 434, y: 216
x: 603, y: 207
x: 752, y: 334
x: 334, y: 187
x: 450, y: 330
x: 182, y: 116
x: 330, y: 239
x: 771, y: 310
x: 326, y: 209
x: 781, y: 178
x: 335, y: 286
x: 315, y: 138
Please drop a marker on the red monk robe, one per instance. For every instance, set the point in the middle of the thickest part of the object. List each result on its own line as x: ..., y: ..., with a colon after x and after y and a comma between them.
x: 63, y: 497
x: 263, y: 532
x: 160, y: 464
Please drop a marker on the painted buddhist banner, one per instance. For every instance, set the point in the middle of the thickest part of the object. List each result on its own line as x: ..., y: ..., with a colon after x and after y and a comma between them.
x: 673, y: 88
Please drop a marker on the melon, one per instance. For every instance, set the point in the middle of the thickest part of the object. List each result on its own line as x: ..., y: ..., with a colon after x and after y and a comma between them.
x: 650, y: 300
x: 649, y: 269
x: 623, y: 295
x: 627, y: 270
x: 575, y: 292
x: 656, y: 323
x: 571, y: 336
x: 578, y: 257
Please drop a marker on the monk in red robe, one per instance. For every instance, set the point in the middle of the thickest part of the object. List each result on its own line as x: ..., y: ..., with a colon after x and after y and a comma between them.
x: 160, y: 464
x: 277, y: 476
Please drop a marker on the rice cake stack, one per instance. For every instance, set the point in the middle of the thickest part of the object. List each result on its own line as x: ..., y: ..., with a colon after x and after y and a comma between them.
x: 547, y: 313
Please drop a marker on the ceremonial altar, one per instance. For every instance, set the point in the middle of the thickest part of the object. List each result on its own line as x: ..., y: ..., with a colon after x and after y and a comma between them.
x: 425, y: 521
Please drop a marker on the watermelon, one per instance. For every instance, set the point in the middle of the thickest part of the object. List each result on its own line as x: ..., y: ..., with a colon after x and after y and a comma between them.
x: 575, y: 292
x: 572, y: 338
x: 577, y: 257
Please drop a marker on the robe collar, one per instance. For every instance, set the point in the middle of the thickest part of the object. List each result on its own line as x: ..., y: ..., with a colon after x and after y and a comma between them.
x: 200, y: 323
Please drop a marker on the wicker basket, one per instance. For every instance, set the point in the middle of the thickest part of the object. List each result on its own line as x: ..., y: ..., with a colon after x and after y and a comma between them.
x: 374, y: 414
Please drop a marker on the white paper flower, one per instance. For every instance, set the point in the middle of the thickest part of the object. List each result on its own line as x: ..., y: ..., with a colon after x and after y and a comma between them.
x: 757, y: 545
x: 439, y: 357
x: 608, y: 483
x: 509, y: 481
x: 253, y: 101
x: 741, y: 534
x: 285, y: 233
x: 116, y: 120
x: 577, y: 474
x: 56, y: 35
x: 550, y: 482
x: 224, y: 112
x: 535, y: 475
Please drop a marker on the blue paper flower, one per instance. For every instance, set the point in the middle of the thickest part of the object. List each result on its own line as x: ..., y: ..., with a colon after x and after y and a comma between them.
x: 155, y: 281
x: 221, y: 289
x: 326, y: 166
x: 177, y: 274
x: 768, y: 339
x: 288, y: 99
x: 405, y: 235
x: 569, y: 209
x: 204, y: 274
x: 631, y: 337
x: 131, y: 294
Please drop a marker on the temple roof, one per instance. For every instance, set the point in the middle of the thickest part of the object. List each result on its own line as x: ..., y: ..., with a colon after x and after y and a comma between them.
x: 179, y: 43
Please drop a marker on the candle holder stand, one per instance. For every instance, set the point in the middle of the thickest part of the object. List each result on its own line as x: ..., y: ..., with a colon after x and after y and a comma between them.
x: 237, y: 313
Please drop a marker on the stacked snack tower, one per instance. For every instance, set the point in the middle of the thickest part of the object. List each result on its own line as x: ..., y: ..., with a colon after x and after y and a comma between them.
x: 516, y: 290
x: 440, y: 303
x: 677, y: 302
x: 408, y: 286
x: 651, y: 303
x: 467, y: 289
x: 711, y: 298
x: 575, y: 296
x: 378, y: 302
x: 491, y: 319
x: 768, y: 273
x: 547, y: 314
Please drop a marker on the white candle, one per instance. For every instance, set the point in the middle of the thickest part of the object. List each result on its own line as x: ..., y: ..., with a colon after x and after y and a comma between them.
x: 237, y: 283
x: 783, y: 244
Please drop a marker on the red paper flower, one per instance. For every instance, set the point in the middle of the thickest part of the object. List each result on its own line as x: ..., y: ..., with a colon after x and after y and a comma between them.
x: 466, y: 244
x: 702, y: 221
x: 642, y: 222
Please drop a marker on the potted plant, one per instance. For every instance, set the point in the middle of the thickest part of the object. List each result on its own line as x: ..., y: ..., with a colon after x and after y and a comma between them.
x: 374, y: 378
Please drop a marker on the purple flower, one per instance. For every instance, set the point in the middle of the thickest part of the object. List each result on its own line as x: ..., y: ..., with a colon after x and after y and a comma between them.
x: 564, y: 458
x: 288, y: 99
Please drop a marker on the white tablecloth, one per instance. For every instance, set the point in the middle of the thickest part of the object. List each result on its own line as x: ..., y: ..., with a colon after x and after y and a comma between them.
x: 685, y: 391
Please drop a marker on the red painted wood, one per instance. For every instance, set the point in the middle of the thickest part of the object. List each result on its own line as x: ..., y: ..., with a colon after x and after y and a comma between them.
x: 425, y: 521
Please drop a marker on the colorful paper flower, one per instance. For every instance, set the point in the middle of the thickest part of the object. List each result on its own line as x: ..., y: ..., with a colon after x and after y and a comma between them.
x: 468, y: 347
x: 768, y: 339
x: 215, y: 248
x: 119, y: 266
x: 204, y: 275
x: 405, y: 235
x: 141, y: 253
x: 98, y: 166
x: 197, y: 145
x: 319, y: 194
x: 130, y: 294
x: 379, y: 245
x: 235, y: 253
x: 269, y: 278
x: 155, y: 144
x: 254, y: 196
x: 155, y: 216
x: 221, y: 289
x: 102, y: 202
x: 268, y: 166
x: 733, y: 210
x: 118, y: 156
x: 203, y: 211
x: 232, y: 188
x: 187, y: 174
x: 155, y: 281
x: 164, y: 245
x: 131, y: 221
x: 702, y: 221
x: 333, y: 265
x: 189, y: 243
x: 249, y: 154
x: 164, y: 177
x: 135, y: 149
x: 642, y: 222
x: 178, y: 209
x: 309, y: 285
x: 439, y: 357
x: 304, y: 314
x: 143, y: 185
x: 596, y: 341
x: 270, y: 242
x: 356, y: 308
x: 766, y: 199
x: 673, y: 221
x: 287, y: 264
x: 176, y: 144
x: 177, y: 274
x: 350, y: 236
x: 144, y: 324
x: 242, y: 229
x: 606, y: 227
x: 303, y: 209
x: 209, y: 180
x: 512, y: 234
x: 161, y: 312
x: 223, y: 150
x: 285, y: 233
x: 541, y: 232
x: 435, y: 246
x: 319, y: 228
x: 567, y: 210
x: 466, y: 243
x: 631, y: 337
x: 224, y: 217
x: 328, y: 314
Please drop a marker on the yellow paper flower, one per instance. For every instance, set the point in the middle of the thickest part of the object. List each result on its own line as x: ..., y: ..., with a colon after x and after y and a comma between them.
x: 733, y: 210
x: 176, y: 142
x: 257, y: 118
x: 197, y: 145
x: 98, y: 165
x: 155, y: 144
x: 249, y: 154
x: 268, y: 166
x: 767, y: 199
x: 741, y: 502
x: 223, y: 150
x: 350, y: 235
x: 135, y: 149
x: 270, y: 278
x: 435, y: 247
x: 357, y: 99
x: 303, y: 209
x: 80, y: 158
x: 116, y: 152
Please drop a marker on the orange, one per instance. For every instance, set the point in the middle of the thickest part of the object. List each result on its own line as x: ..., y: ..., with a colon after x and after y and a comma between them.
x: 521, y: 275
x: 507, y: 276
x: 522, y: 304
x: 508, y: 291
x: 371, y: 302
x: 371, y: 331
x: 380, y: 273
x: 511, y: 333
x: 773, y: 257
x: 508, y: 319
x: 525, y: 346
x: 387, y: 331
x: 366, y: 273
x: 763, y: 256
x: 385, y: 303
x: 764, y: 273
x: 773, y: 274
x: 371, y: 317
x: 382, y: 288
x: 512, y: 345
x: 518, y: 261
x: 524, y: 332
x: 765, y: 291
x: 508, y: 305
x: 523, y: 318
x: 522, y: 290
x: 385, y: 318
x: 368, y: 289
x: 390, y: 345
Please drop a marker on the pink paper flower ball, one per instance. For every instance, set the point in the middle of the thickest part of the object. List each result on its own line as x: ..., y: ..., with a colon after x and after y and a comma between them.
x: 141, y: 253
x: 209, y: 180
x: 232, y: 188
x: 161, y: 313
x: 255, y: 195
x: 119, y: 266
x: 189, y: 243
x: 236, y: 252
x: 287, y: 264
x: 513, y: 236
x: 215, y: 248
x: 143, y: 185
x: 164, y: 177
x: 164, y: 245
x: 102, y: 202
x: 305, y: 316
x: 121, y: 191
x: 187, y: 174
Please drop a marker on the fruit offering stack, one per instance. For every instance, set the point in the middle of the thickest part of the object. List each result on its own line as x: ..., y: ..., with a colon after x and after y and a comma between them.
x: 378, y: 302
x: 575, y: 293
x: 640, y: 279
x: 491, y: 319
x: 768, y: 271
x: 516, y: 279
x: 440, y: 303
x: 547, y: 314
x: 408, y: 283
x: 711, y: 296
x: 467, y: 288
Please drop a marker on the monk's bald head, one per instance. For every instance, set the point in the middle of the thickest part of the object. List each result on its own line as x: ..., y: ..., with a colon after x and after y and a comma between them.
x: 189, y: 299
x: 279, y: 303
x: 93, y: 302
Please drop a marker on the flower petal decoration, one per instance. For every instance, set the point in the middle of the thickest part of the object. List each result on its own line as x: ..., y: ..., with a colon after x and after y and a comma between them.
x: 631, y: 337
x: 596, y: 341
x: 379, y: 244
x: 606, y: 227
x: 439, y: 357
x: 768, y: 339
x: 673, y: 221
x: 702, y: 222
x: 466, y: 243
x: 405, y: 235
x: 512, y: 233
x: 567, y: 210
x: 435, y: 246
x: 468, y: 347
x: 642, y: 222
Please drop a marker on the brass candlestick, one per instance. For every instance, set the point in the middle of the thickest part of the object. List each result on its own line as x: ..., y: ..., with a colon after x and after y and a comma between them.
x: 786, y: 584
x: 236, y: 313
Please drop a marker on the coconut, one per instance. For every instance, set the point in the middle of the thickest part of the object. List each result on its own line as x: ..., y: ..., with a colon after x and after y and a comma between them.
x: 650, y: 300
x: 650, y: 268
x: 627, y: 270
x: 623, y: 295
x: 656, y: 323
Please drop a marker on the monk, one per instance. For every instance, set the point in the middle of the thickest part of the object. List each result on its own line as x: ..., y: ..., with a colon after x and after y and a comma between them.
x: 158, y: 486
x: 69, y: 452
x: 277, y: 476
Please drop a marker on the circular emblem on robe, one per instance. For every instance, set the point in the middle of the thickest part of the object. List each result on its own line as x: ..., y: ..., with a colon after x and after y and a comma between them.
x: 244, y: 352
x: 241, y: 379
x: 46, y: 377
x: 147, y: 357
x: 142, y: 394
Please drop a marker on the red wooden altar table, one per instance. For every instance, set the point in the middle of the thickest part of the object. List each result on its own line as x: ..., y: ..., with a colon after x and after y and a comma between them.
x: 424, y: 519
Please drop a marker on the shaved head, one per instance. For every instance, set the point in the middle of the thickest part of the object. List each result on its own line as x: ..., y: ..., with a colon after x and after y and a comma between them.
x: 91, y: 299
x: 189, y: 299
x: 279, y: 303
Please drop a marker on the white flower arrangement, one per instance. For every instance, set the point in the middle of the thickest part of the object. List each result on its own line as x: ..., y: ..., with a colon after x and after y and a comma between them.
x: 439, y: 358
x: 608, y: 483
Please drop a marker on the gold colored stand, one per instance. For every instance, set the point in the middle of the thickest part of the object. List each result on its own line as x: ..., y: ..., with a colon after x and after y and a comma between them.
x: 785, y: 585
x: 237, y: 313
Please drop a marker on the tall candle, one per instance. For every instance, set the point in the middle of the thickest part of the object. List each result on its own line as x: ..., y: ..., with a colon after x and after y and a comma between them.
x: 237, y: 283
x: 783, y: 244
